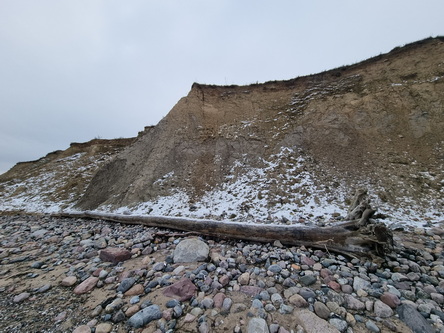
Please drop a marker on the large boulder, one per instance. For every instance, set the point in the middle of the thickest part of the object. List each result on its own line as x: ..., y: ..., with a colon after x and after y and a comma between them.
x: 191, y: 250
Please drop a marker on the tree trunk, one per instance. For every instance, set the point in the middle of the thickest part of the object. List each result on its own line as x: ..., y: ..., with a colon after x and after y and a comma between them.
x: 347, y: 238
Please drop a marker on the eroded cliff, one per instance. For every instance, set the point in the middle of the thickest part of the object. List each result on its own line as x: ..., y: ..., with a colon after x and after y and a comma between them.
x: 292, y: 146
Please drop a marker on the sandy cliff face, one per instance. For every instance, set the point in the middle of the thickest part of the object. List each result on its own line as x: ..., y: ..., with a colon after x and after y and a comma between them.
x: 292, y: 145
x: 57, y: 180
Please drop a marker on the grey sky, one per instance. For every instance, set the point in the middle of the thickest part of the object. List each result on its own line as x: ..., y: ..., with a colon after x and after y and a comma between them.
x: 74, y: 70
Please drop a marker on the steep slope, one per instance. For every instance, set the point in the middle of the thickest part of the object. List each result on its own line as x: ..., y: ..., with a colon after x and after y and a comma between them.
x: 293, y: 149
x: 57, y: 180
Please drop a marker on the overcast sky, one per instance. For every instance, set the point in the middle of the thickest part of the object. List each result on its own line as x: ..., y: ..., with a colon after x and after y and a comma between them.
x: 74, y: 70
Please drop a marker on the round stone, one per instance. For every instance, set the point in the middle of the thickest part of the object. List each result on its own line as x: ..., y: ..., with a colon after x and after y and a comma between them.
x: 104, y: 328
x: 275, y: 268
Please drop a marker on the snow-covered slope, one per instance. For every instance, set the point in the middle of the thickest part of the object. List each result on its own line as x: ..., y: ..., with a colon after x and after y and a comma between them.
x: 56, y: 181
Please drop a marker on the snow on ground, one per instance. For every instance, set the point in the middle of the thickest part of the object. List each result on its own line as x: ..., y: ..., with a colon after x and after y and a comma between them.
x: 52, y: 189
x: 280, y: 191
x: 251, y: 195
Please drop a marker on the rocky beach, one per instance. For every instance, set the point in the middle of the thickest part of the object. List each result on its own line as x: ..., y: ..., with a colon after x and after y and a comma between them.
x: 77, y: 275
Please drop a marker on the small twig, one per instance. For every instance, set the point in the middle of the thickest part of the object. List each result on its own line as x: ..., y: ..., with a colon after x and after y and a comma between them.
x: 326, y: 249
x: 174, y: 234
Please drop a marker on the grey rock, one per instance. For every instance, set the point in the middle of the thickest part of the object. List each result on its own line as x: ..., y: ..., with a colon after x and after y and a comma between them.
x: 413, y: 319
x: 308, y: 280
x: 270, y: 308
x: 39, y: 233
x: 286, y: 309
x: 19, y: 259
x: 276, y: 299
x: 21, y: 297
x: 359, y: 319
x: 135, y: 300
x: 227, y: 303
x: 382, y: 310
x: 87, y: 243
x: 438, y: 313
x: 438, y: 298
x: 425, y: 308
x: 360, y: 283
x: 342, y: 281
x: 116, y: 304
x: 126, y: 284
x: 393, y: 290
x: 203, y: 327
x: 328, y: 262
x: 159, y: 266
x: 191, y: 250
x: 103, y: 274
x: 347, y: 289
x: 340, y: 324
x: 398, y: 277
x: 207, y: 303
x: 274, y: 328
x: 145, y: 316
x: 371, y: 326
x: 257, y: 304
x: 264, y: 295
x: 288, y: 282
x: 285, y: 273
x: 96, y: 312
x: 353, y: 303
x: 172, y: 303
x: 178, y: 311
x: 275, y: 268
x: 118, y: 317
x: 291, y: 291
x: 307, y: 293
x: 44, y: 288
x: 196, y: 312
x: 37, y: 264
x: 321, y: 310
x: 257, y: 325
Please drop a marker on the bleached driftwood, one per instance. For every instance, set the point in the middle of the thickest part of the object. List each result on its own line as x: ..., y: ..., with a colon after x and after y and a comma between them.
x: 360, y: 209
x: 348, y: 238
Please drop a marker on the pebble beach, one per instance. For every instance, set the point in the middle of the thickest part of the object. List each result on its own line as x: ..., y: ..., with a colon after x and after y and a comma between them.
x: 78, y: 275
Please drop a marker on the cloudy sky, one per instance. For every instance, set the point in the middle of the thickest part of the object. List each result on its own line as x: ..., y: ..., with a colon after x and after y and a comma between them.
x: 74, y: 70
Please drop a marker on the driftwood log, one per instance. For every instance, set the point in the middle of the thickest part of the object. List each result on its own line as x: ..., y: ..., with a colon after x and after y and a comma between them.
x: 357, y: 237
